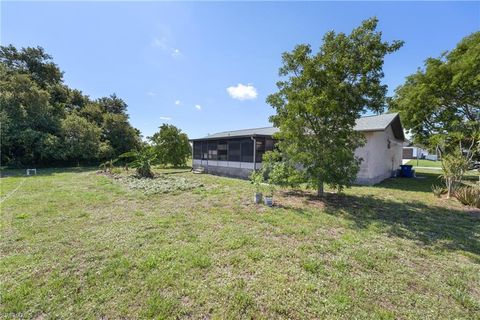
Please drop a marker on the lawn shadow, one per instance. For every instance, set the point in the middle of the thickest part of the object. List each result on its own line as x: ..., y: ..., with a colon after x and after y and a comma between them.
x: 421, y: 183
x: 443, y: 227
x: 174, y: 172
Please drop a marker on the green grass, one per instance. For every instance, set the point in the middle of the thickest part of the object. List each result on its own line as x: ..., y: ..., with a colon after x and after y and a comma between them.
x: 79, y: 245
x: 425, y: 163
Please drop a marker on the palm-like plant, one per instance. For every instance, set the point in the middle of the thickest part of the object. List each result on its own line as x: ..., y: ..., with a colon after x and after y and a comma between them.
x: 141, y: 160
x: 107, y: 166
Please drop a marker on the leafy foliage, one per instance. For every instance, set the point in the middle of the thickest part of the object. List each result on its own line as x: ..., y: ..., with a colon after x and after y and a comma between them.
x: 108, y: 166
x: 441, y: 103
x: 257, y: 179
x: 454, y: 166
x: 469, y: 196
x: 81, y: 138
x: 43, y: 120
x: 321, y: 96
x: 172, y: 145
x: 438, y: 190
x: 142, y: 160
x: 280, y: 170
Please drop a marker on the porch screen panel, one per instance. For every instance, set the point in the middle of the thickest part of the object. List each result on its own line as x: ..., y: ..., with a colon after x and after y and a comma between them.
x: 260, y: 149
x: 269, y: 144
x: 247, y: 150
x: 204, y: 150
x: 234, y: 150
x: 212, y: 149
x: 197, y: 149
x: 222, y: 150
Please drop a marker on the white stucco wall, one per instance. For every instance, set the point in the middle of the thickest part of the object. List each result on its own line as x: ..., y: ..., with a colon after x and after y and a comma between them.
x: 378, y: 160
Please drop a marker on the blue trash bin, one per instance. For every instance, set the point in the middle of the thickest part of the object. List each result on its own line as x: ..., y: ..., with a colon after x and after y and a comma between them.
x: 406, y: 170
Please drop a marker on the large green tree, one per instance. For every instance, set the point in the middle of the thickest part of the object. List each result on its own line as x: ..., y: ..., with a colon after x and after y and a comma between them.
x: 36, y: 109
x: 28, y: 119
x: 32, y: 61
x: 119, y: 133
x: 320, y: 97
x: 81, y: 138
x: 172, y: 145
x: 440, y: 104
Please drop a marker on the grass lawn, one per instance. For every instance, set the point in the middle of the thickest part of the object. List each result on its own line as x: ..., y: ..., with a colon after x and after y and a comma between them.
x: 76, y: 244
x: 425, y: 163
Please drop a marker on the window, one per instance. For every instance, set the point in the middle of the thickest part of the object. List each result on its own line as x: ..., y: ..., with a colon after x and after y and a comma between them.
x: 247, y: 150
x: 197, y: 149
x: 212, y: 150
x: 233, y: 150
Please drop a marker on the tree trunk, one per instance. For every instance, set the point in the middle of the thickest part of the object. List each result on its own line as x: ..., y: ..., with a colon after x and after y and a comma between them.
x: 320, y: 187
x: 449, y: 187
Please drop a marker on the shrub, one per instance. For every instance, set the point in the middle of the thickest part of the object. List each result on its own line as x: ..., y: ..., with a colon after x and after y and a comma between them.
x: 116, y: 170
x: 454, y: 166
x: 438, y: 190
x: 469, y: 196
x: 107, y: 166
x: 256, y: 178
x: 142, y: 161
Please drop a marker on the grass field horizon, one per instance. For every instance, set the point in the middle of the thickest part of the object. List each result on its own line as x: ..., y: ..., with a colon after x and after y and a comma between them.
x: 79, y: 244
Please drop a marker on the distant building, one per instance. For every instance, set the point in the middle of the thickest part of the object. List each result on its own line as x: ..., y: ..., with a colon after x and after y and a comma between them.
x: 238, y: 153
x: 411, y: 151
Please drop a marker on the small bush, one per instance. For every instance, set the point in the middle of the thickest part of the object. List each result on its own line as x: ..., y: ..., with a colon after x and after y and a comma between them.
x: 438, y: 190
x: 116, y: 170
x: 469, y: 196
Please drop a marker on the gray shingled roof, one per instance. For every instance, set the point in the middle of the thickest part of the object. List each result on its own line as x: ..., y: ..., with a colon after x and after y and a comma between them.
x: 267, y: 131
x: 368, y: 123
x: 375, y: 123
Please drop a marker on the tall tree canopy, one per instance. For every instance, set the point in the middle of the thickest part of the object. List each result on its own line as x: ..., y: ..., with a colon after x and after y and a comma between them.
x: 321, y: 96
x: 440, y: 104
x: 43, y: 120
x: 172, y: 145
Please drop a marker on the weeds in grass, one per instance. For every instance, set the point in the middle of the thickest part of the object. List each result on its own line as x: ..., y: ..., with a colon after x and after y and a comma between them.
x: 467, y: 195
x: 161, y: 184
x: 162, y: 307
x: 438, y: 190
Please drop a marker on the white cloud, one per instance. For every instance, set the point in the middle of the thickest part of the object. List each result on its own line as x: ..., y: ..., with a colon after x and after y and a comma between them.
x: 177, y: 102
x: 159, y: 42
x: 242, y: 92
x: 199, y: 107
x: 165, y: 118
x: 151, y: 94
x: 176, y: 53
x: 164, y: 41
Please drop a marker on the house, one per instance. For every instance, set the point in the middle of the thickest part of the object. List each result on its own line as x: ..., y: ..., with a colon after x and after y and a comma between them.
x: 232, y: 153
x: 411, y: 151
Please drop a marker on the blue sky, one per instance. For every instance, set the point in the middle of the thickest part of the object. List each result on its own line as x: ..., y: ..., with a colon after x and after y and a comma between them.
x: 182, y: 62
